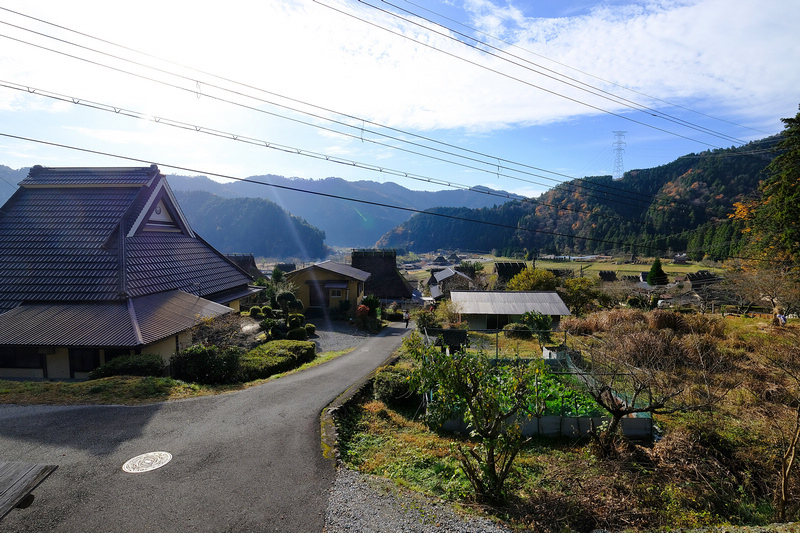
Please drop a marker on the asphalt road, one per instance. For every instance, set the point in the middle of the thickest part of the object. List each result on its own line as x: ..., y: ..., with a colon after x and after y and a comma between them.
x: 244, y: 461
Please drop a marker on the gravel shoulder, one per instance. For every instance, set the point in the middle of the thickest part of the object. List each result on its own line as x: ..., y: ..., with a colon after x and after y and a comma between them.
x: 370, y: 504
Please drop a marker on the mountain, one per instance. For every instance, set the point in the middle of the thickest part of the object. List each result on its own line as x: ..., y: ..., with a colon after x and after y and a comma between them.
x: 251, y: 225
x: 9, y: 179
x: 324, y: 203
x: 680, y: 206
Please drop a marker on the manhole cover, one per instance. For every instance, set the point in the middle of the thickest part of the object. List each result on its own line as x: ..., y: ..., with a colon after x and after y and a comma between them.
x: 146, y: 462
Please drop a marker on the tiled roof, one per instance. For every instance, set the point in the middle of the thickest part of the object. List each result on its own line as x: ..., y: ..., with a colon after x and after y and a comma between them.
x: 60, y: 241
x: 106, y: 324
x: 508, y: 302
x: 40, y: 176
x: 339, y: 268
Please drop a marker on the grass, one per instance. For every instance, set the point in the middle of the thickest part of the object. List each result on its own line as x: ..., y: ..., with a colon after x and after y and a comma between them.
x: 126, y: 390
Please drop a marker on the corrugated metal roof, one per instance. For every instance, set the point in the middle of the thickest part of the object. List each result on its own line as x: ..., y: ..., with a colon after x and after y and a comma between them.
x: 508, y: 302
x: 108, y: 324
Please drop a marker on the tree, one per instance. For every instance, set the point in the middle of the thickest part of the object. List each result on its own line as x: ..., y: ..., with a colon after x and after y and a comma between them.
x: 532, y: 279
x: 578, y: 294
x: 772, y: 220
x: 656, y: 276
x: 492, y: 399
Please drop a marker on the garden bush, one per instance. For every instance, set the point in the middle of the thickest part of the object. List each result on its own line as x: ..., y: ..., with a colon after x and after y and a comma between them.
x: 310, y: 329
x: 275, y: 357
x: 207, y: 364
x: 392, y: 386
x: 131, y: 365
x: 297, y: 334
x: 296, y: 320
x: 373, y: 303
x: 267, y: 311
x: 515, y: 330
x: 256, y: 311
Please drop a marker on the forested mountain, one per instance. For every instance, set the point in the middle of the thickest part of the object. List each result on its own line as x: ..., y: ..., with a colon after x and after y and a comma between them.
x: 250, y: 225
x: 346, y: 223
x: 680, y: 206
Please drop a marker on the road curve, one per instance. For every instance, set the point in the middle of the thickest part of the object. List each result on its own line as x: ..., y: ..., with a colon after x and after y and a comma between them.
x: 245, y: 461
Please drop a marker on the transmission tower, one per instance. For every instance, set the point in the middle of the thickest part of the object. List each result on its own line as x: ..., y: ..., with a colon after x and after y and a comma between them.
x: 619, y: 148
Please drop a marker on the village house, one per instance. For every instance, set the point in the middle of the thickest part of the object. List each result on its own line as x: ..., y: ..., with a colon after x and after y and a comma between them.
x: 327, y: 285
x: 101, y: 262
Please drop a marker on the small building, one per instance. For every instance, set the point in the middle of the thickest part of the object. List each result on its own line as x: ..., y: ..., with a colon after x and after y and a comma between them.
x: 326, y: 285
x: 101, y: 262
x: 443, y: 281
x: 494, y: 309
x: 247, y: 263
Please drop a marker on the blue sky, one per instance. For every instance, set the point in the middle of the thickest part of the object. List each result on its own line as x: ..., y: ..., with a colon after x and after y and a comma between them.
x: 410, y: 97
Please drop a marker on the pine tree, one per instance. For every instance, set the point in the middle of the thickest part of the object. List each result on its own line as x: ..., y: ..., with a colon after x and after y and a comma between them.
x: 656, y: 276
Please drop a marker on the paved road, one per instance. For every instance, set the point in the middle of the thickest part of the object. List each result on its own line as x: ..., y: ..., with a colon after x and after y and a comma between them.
x: 245, y: 461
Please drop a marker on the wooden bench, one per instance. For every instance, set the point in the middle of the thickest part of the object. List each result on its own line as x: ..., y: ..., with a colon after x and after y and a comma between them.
x: 17, y: 481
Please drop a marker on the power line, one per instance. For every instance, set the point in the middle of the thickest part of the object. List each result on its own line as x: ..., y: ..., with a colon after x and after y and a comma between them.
x: 581, y: 71
x: 514, y: 78
x: 650, y: 198
x: 328, y: 195
x: 627, y: 194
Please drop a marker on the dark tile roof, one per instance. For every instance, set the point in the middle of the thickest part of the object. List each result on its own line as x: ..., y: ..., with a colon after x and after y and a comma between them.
x: 131, y: 323
x: 337, y: 268
x: 88, y: 235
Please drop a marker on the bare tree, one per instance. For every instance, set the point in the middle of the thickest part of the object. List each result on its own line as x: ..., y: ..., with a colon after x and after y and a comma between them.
x: 655, y: 371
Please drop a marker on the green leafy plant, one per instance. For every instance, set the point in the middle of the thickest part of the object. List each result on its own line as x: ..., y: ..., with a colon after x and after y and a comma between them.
x: 207, y: 364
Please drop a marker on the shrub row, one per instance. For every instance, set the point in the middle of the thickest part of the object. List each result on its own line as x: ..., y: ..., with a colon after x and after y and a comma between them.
x: 213, y: 366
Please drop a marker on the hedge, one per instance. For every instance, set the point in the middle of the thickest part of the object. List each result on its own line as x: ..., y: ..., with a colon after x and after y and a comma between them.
x: 131, y: 365
x: 275, y: 357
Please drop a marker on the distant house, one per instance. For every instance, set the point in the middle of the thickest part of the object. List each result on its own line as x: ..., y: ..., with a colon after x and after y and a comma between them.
x: 495, y: 309
x: 607, y: 276
x: 453, y: 258
x: 385, y: 280
x: 326, y: 285
x: 505, y: 270
x: 442, y: 281
x: 703, y: 277
x: 247, y: 263
x: 439, y: 261
x: 101, y: 262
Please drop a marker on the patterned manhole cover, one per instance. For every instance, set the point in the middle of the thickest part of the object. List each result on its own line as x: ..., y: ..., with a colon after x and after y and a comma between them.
x: 146, y: 462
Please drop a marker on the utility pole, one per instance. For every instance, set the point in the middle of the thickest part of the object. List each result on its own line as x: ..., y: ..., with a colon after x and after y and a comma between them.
x: 619, y: 149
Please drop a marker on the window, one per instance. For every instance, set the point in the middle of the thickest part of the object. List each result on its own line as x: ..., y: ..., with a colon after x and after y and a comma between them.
x: 83, y: 359
x: 336, y: 293
x: 22, y: 357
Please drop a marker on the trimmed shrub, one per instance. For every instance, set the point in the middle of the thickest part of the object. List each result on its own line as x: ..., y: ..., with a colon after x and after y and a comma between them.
x: 311, y: 329
x: 267, y: 311
x: 275, y: 357
x: 515, y: 330
x: 131, y: 365
x: 297, y: 334
x: 392, y: 386
x: 267, y: 324
x: 296, y: 320
x: 207, y: 364
x: 256, y: 311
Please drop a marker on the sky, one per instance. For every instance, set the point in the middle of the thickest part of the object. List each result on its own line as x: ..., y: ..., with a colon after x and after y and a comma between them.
x: 431, y: 94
